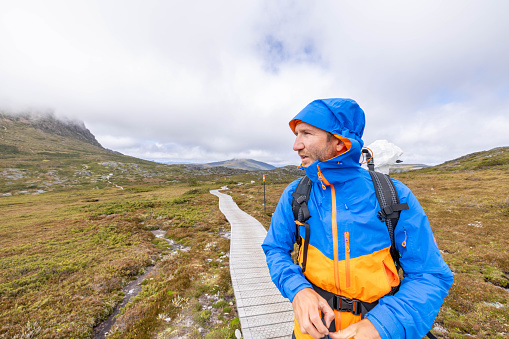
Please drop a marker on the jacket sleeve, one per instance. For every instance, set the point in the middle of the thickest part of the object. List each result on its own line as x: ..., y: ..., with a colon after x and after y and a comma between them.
x: 278, y: 245
x: 427, y: 278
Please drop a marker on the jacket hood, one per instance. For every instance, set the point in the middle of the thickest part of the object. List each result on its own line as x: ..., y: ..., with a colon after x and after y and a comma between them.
x: 345, y: 119
x: 342, y: 117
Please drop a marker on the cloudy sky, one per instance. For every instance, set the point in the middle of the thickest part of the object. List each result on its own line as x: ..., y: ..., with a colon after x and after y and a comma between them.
x: 200, y: 81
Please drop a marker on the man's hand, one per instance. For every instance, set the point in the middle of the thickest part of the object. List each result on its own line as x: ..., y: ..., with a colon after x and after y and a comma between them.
x: 364, y: 329
x: 306, y: 306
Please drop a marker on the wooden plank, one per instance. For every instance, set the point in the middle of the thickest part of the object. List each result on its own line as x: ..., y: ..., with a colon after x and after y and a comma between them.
x: 263, y: 312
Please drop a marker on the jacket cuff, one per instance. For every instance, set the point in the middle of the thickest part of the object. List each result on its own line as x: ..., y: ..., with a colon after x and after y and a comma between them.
x: 294, y: 285
x: 385, y: 323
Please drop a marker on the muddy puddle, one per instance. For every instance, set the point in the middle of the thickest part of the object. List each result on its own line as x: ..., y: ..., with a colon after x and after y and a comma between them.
x: 174, y: 246
x: 133, y: 288
x: 225, y: 233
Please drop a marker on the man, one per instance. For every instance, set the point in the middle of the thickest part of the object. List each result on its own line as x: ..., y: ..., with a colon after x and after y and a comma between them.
x: 348, y: 253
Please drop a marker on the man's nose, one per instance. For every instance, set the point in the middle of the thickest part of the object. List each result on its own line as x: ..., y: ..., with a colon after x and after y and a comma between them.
x: 298, y: 144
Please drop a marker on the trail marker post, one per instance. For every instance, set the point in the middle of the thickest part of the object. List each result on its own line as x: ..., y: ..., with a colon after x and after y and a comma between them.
x: 264, y: 193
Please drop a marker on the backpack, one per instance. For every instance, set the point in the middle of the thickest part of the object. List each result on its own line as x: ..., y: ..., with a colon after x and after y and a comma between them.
x: 388, y: 200
x: 386, y: 195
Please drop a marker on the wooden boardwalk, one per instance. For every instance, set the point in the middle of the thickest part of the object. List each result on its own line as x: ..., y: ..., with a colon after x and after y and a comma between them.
x: 263, y: 312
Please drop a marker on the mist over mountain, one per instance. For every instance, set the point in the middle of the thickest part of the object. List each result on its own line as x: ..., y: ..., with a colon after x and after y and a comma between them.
x: 49, y: 123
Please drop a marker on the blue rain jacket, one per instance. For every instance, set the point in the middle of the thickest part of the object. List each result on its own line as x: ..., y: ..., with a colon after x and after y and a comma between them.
x: 349, y: 246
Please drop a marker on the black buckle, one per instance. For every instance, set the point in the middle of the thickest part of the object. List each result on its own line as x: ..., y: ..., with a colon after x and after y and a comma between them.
x: 388, y: 210
x: 343, y: 304
x: 384, y: 212
x: 301, y: 199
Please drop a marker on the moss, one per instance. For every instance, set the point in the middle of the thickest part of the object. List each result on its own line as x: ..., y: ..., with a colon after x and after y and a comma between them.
x: 495, y: 276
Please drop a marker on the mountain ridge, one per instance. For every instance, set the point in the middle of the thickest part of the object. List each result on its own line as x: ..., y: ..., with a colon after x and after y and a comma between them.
x: 245, y: 164
x: 497, y: 157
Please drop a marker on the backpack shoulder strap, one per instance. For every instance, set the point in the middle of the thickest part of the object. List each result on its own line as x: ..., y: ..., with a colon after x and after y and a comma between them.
x: 300, y: 200
x: 390, y: 209
x: 301, y: 214
x: 390, y: 206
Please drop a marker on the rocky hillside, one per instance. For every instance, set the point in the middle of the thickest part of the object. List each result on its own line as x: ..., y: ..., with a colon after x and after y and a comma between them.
x: 47, y: 122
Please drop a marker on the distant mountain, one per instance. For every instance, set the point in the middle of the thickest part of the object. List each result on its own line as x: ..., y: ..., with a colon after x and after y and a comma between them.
x: 244, y: 164
x: 398, y: 168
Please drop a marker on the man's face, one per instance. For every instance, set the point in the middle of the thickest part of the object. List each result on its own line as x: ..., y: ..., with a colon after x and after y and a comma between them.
x: 313, y: 143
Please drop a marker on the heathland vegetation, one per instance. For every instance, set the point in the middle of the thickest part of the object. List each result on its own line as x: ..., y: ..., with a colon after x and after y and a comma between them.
x: 76, y: 227
x: 78, y: 223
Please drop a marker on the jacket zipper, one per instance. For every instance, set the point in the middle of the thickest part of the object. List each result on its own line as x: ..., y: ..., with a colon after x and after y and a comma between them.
x: 347, y: 259
x: 334, y: 229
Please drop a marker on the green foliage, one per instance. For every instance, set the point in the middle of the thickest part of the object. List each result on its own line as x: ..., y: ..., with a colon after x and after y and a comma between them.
x: 181, y: 200
x: 221, y: 333
x: 160, y: 243
x: 202, y: 316
x: 122, y: 206
x: 220, y: 304
x: 226, y: 332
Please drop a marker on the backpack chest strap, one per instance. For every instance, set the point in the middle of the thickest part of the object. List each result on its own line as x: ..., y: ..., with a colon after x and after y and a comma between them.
x: 344, y: 304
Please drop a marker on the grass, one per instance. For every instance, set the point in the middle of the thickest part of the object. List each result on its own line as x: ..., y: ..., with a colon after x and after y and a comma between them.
x: 469, y: 213
x: 65, y: 256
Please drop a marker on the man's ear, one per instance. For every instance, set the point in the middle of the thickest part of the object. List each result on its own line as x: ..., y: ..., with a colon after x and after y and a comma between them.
x: 340, y: 147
